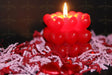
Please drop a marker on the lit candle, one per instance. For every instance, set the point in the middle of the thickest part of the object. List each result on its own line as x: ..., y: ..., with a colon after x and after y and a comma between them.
x: 67, y: 27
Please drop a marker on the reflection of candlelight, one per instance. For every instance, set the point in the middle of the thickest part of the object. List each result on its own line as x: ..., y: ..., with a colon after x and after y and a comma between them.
x: 65, y: 10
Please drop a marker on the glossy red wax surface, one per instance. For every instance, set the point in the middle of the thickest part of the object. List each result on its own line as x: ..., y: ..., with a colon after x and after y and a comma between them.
x: 62, y: 31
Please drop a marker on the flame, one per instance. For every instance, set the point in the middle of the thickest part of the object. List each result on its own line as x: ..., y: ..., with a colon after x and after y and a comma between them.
x: 65, y: 10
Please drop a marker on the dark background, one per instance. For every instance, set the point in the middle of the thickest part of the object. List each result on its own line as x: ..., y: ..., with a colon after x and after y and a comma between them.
x: 20, y: 18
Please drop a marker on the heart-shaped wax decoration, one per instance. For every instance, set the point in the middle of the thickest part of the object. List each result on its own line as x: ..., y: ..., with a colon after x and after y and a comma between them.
x: 59, y: 13
x: 84, y: 36
x: 73, y: 21
x: 71, y: 37
x: 57, y: 38
x: 51, y: 68
x: 72, y: 13
x: 46, y: 18
x: 46, y: 34
x: 70, y: 69
x: 63, y: 51
x: 85, y: 47
x: 58, y: 23
x: 76, y: 68
x: 85, y: 21
x: 67, y: 69
x: 74, y: 51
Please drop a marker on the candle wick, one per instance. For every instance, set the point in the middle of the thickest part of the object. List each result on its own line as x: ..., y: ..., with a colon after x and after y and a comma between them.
x: 65, y: 15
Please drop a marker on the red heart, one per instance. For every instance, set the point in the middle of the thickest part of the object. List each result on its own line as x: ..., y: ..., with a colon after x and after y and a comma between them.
x: 51, y: 68
x: 70, y: 69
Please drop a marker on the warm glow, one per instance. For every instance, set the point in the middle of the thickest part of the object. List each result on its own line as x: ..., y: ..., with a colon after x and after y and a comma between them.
x: 65, y: 10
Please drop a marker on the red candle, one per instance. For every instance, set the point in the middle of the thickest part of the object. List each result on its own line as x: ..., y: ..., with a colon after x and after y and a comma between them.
x: 67, y: 27
x: 74, y: 21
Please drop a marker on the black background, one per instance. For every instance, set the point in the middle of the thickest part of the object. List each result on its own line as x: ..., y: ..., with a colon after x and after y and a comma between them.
x: 20, y: 18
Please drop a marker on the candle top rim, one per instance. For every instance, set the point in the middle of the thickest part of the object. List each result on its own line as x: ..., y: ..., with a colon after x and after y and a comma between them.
x: 70, y: 14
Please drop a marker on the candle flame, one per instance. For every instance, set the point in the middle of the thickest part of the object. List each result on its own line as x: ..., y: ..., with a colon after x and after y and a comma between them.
x: 65, y: 10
